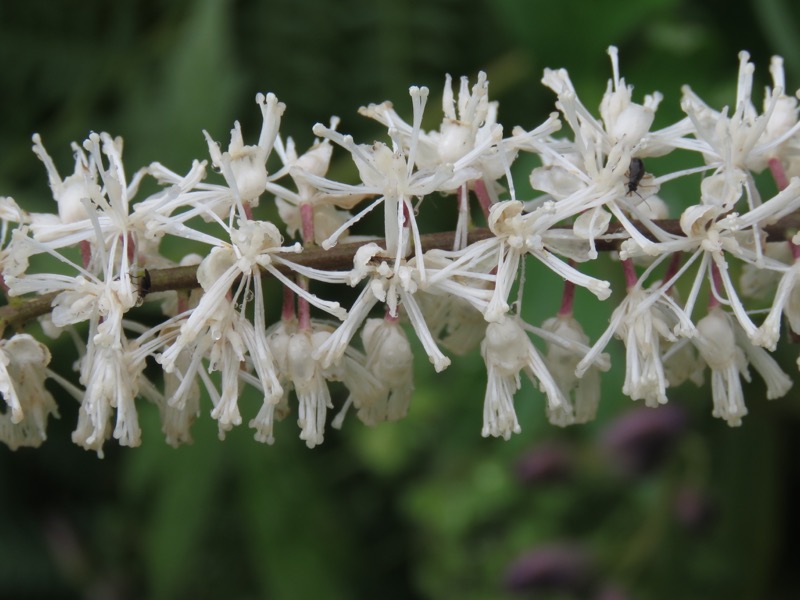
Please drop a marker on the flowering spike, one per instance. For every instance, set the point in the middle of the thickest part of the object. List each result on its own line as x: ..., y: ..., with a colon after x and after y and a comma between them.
x: 596, y: 189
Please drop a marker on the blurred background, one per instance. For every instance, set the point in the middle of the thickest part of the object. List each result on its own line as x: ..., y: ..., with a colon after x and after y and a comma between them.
x: 641, y: 504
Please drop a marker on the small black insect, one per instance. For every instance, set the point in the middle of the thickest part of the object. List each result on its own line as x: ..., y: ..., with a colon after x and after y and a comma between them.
x: 635, y: 174
x: 144, y: 284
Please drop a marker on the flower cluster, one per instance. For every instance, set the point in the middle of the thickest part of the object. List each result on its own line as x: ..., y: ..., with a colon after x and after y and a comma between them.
x: 95, y: 260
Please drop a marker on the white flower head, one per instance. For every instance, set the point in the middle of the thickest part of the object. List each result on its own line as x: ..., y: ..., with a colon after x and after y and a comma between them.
x: 293, y: 349
x: 390, y: 360
x: 396, y: 287
x: 468, y: 143
x: 507, y: 351
x: 23, y: 369
x: 716, y: 342
x: 305, y: 170
x: 602, y: 169
x: 642, y: 332
x: 744, y: 141
x: 70, y: 191
x: 786, y: 302
x: 567, y: 344
x: 624, y: 127
x: 111, y: 376
x: 465, y: 119
x: 625, y: 121
x: 779, y: 140
x: 390, y: 174
x: 245, y: 167
x: 519, y: 234
x: 727, y: 351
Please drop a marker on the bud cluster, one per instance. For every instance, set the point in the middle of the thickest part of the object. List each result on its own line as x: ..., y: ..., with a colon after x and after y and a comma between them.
x: 595, y: 191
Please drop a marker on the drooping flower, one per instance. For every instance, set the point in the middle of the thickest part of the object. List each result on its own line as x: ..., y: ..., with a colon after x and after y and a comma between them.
x: 308, y: 377
x: 507, y: 351
x: 727, y: 351
x: 390, y: 360
x: 567, y: 344
x: 786, y: 301
x: 23, y: 369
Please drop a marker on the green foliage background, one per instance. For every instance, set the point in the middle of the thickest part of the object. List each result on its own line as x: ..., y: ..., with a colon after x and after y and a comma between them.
x: 423, y: 508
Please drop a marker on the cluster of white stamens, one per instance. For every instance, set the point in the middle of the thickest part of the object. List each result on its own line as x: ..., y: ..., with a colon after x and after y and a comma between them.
x: 595, y: 191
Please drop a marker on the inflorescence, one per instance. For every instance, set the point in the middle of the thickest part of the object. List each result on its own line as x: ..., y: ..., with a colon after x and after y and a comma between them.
x: 457, y: 291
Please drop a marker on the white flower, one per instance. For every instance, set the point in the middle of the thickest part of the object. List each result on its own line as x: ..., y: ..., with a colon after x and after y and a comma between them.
x: 112, y: 375
x: 187, y: 197
x: 642, y: 332
x: 713, y: 236
x: 309, y: 382
x: 244, y: 167
x: 468, y: 135
x: 717, y: 345
x: 69, y: 192
x: 111, y: 382
x: 595, y: 170
x: 390, y: 360
x: 644, y: 319
x: 745, y: 140
x: 390, y: 174
x: 786, y: 302
x: 218, y: 328
x: 507, y: 351
x: 255, y: 245
x: 727, y: 351
x: 395, y: 287
x: 23, y: 369
x: 182, y: 405
x: 520, y: 234
x: 227, y: 341
x: 623, y: 122
x: 89, y: 212
x: 566, y: 345
x: 327, y: 218
x: 779, y: 140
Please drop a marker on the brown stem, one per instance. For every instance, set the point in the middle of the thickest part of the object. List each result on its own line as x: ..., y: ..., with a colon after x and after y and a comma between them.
x: 339, y: 258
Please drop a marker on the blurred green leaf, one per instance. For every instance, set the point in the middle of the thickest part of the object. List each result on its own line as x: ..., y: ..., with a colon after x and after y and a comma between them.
x: 196, y: 87
x: 178, y: 492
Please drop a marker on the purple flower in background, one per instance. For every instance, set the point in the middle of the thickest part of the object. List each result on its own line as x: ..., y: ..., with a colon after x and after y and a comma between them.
x: 611, y: 592
x: 640, y: 440
x: 550, y: 568
x: 547, y: 462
